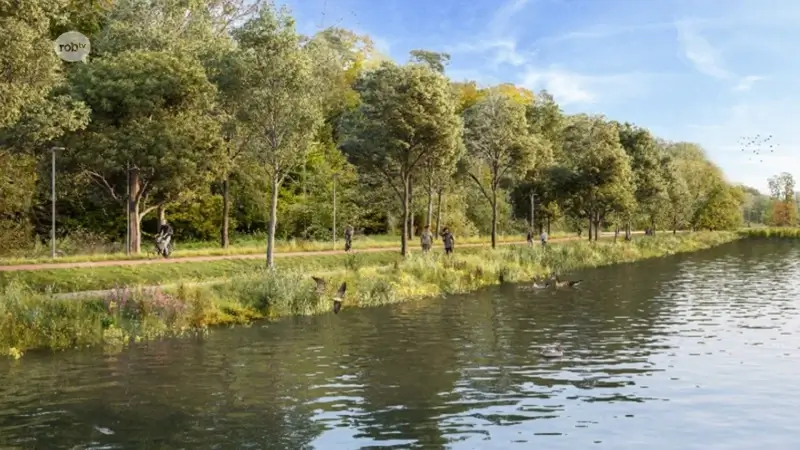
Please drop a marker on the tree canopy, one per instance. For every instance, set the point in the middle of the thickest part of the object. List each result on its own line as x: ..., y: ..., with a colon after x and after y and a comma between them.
x: 221, y: 117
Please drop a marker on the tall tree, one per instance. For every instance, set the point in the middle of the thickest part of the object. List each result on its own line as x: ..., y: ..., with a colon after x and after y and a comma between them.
x: 600, y: 180
x: 781, y: 188
x: 435, y: 60
x: 651, y: 194
x: 151, y: 111
x: 282, y: 107
x: 406, y: 114
x: 498, y: 141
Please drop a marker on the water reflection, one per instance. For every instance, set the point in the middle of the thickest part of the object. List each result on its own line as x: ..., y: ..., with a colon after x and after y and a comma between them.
x: 700, y: 348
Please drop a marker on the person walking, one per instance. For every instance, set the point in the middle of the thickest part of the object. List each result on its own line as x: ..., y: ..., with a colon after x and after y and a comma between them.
x: 449, y: 241
x: 348, y: 238
x: 543, y: 238
x: 426, y: 239
x: 530, y: 237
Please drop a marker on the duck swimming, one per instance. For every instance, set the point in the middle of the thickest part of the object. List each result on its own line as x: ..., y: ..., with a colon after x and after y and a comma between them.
x: 553, y: 352
x: 566, y: 283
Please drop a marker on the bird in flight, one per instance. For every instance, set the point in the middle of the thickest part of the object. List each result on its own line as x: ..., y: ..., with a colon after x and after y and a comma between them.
x: 338, y: 298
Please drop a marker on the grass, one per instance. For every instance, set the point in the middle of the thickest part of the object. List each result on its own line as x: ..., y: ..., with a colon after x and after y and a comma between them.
x: 244, y: 245
x: 32, y: 320
x: 771, y: 233
x: 64, y: 280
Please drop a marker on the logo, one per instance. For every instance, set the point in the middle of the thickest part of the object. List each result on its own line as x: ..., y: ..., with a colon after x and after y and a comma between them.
x: 72, y: 46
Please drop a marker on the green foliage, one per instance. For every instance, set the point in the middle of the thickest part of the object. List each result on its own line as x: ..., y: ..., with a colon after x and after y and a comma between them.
x: 219, y: 97
x: 29, y: 320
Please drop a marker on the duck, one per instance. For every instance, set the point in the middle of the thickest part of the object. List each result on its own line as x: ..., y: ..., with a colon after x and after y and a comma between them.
x: 537, y: 285
x: 566, y: 283
x: 338, y: 297
x: 553, y: 351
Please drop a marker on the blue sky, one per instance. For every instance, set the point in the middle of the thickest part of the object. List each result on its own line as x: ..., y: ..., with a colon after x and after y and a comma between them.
x: 707, y: 71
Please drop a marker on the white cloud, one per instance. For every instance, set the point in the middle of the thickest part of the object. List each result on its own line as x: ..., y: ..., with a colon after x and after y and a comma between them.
x: 502, y: 17
x: 746, y: 83
x: 700, y: 52
x: 569, y: 87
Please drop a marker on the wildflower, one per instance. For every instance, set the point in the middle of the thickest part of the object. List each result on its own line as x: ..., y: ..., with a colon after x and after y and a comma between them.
x: 112, y: 304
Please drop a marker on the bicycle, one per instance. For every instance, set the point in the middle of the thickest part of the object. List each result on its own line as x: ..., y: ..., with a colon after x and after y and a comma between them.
x: 157, y: 249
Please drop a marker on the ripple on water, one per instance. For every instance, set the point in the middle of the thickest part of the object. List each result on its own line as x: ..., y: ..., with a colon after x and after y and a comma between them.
x: 704, y: 344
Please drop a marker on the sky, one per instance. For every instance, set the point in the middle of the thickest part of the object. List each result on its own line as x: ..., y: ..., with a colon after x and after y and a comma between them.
x: 714, y: 72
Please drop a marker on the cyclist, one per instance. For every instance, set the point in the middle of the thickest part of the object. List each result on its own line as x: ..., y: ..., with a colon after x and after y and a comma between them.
x: 163, y: 239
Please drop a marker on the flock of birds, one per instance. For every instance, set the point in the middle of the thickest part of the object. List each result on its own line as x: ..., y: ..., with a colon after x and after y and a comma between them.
x: 757, y: 146
x: 555, y: 351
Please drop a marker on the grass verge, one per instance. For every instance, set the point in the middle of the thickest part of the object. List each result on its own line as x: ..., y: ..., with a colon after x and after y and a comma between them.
x: 771, y: 233
x: 243, y: 246
x: 31, y: 320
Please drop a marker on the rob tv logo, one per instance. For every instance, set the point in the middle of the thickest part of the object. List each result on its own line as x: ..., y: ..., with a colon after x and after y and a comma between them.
x: 72, y: 46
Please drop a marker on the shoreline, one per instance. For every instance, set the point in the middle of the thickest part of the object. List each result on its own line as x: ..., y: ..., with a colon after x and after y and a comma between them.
x: 35, y: 321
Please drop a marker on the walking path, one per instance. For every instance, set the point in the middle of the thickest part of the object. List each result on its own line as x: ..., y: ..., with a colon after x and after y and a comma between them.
x: 135, y: 262
x: 107, y: 292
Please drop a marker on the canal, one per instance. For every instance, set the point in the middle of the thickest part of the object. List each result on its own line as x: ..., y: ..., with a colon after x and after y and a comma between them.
x: 697, y: 351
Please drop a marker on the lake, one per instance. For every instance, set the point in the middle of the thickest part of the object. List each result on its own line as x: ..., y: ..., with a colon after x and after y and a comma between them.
x: 697, y: 351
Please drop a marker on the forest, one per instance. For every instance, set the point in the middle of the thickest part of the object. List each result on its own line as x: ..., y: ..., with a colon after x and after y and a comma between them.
x: 218, y: 116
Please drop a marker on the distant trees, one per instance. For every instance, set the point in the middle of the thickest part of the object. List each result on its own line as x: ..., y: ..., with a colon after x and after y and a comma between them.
x: 199, y: 109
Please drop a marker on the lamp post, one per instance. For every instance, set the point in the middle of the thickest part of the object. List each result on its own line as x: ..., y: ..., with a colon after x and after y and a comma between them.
x: 53, y: 200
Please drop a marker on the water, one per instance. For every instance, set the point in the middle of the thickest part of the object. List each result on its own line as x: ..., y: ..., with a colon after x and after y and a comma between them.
x: 692, y: 352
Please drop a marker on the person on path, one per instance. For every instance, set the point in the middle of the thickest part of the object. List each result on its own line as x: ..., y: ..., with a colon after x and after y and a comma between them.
x: 449, y: 241
x: 543, y: 238
x: 426, y: 239
x: 163, y: 239
x: 348, y: 238
x: 530, y: 237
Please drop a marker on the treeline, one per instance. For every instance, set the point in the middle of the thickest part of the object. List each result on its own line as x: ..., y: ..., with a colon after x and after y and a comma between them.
x: 778, y: 209
x: 218, y: 115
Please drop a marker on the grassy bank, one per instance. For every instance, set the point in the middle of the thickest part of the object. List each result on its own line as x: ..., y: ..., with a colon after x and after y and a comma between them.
x: 99, y: 278
x: 247, y: 245
x: 771, y: 233
x: 30, y: 320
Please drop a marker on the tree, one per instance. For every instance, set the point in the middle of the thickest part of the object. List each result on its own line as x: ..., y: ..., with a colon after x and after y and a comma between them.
x: 678, y: 210
x: 599, y: 179
x: 282, y: 108
x: 720, y: 211
x: 784, y: 211
x: 498, y: 140
x: 435, y: 60
x: 151, y: 111
x: 406, y: 114
x: 651, y: 194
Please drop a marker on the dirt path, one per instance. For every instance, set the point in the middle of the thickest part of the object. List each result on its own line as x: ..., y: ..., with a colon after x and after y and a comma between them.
x: 136, y: 262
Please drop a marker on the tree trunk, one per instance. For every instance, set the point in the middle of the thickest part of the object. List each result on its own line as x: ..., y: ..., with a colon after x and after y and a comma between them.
x: 273, y: 222
x: 162, y: 215
x: 548, y: 225
x: 439, y: 211
x: 494, y: 218
x: 653, y: 227
x: 133, y: 210
x: 406, y: 221
x: 597, y: 225
x: 224, y: 240
x: 429, y: 217
x: 590, y: 226
x: 410, y: 216
x: 628, y: 231
x: 533, y: 211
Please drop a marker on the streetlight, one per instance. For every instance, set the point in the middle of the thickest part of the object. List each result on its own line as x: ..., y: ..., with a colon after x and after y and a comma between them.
x: 53, y: 201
